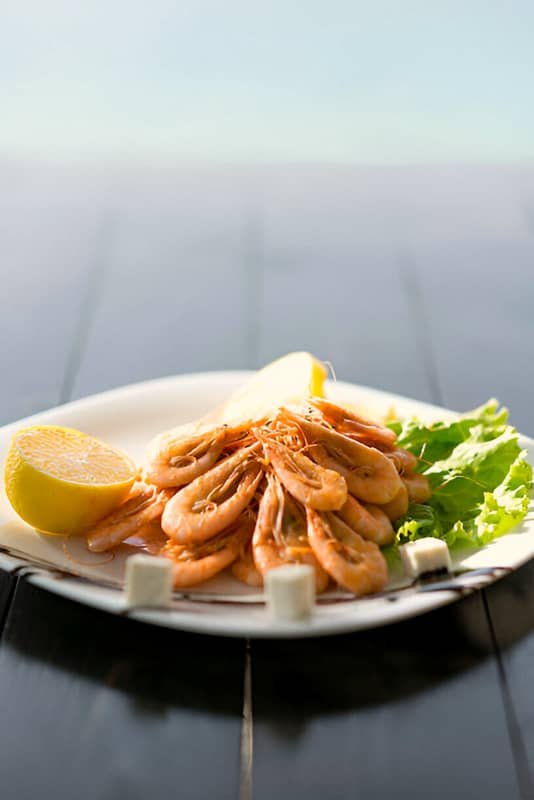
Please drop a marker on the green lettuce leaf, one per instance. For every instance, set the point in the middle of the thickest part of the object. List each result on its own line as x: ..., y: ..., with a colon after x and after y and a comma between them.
x: 479, y: 475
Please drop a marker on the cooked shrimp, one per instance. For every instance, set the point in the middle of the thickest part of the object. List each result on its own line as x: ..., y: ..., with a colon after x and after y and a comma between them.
x: 213, y: 501
x: 367, y: 520
x: 238, y: 436
x: 244, y: 568
x: 397, y: 507
x: 150, y: 538
x: 198, y: 563
x: 134, y: 516
x: 419, y: 490
x: 356, y: 564
x: 309, y: 483
x: 280, y: 536
x: 404, y: 460
x: 352, y: 425
x: 370, y: 476
x: 177, y: 458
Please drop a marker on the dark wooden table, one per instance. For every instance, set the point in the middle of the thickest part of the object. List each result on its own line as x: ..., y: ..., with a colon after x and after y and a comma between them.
x: 416, y: 280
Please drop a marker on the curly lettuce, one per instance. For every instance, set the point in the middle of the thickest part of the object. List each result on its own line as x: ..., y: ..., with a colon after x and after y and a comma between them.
x: 480, y: 477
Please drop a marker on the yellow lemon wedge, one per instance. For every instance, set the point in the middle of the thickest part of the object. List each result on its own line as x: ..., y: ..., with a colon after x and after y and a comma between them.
x: 60, y: 480
x: 289, y: 379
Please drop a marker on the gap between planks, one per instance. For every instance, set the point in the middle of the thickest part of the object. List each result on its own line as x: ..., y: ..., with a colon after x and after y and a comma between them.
x: 411, y: 286
x: 519, y: 752
x: 4, y: 619
x: 97, y: 271
x: 247, y: 742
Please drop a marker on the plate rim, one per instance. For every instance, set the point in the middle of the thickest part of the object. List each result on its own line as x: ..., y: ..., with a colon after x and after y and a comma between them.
x: 218, y: 626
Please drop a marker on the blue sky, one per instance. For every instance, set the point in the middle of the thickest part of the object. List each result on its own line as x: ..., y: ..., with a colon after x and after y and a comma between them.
x: 387, y: 82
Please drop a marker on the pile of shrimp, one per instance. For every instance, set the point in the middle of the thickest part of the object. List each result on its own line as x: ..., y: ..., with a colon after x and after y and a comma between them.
x: 316, y: 484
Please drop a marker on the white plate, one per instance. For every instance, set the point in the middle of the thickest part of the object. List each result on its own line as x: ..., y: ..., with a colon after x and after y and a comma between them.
x: 128, y: 418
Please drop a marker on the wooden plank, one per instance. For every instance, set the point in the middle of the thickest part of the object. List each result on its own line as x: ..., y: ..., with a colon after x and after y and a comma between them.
x: 48, y: 245
x: 177, y: 296
x: 122, y: 708
x: 348, y: 307
x: 412, y: 710
x: 173, y: 299
x: 338, y: 249
x: 478, y: 302
x: 483, y: 338
x: 510, y: 604
x: 394, y: 712
x: 393, y: 206
x: 95, y: 706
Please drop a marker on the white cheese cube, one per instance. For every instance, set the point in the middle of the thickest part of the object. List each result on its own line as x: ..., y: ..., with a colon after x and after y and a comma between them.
x: 425, y: 555
x: 148, y: 581
x: 291, y: 591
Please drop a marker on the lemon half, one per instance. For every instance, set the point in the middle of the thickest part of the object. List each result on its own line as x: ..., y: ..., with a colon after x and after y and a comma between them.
x: 289, y: 379
x: 60, y: 480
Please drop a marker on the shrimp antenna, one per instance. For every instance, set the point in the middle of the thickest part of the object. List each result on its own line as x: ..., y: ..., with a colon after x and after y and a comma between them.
x: 330, y: 368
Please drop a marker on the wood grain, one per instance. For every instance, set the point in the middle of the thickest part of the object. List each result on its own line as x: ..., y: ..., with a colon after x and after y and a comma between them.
x: 407, y: 711
x: 176, y: 297
x: 96, y: 706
